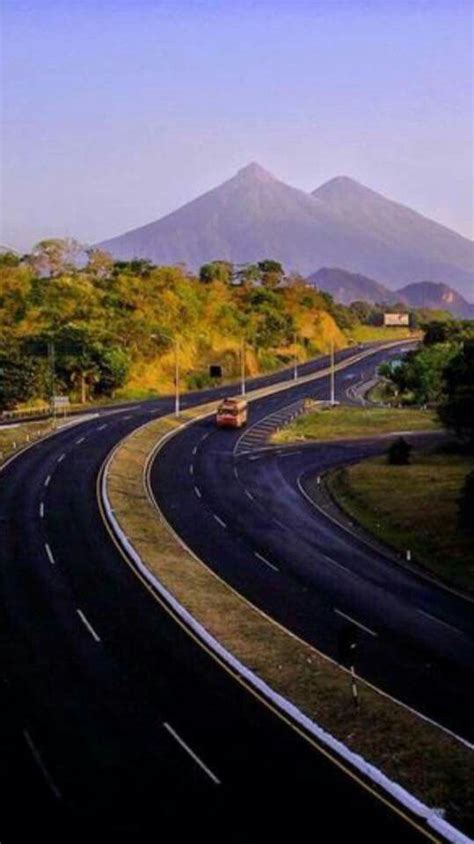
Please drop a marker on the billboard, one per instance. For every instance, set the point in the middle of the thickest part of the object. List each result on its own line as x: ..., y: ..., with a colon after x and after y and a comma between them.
x: 396, y: 319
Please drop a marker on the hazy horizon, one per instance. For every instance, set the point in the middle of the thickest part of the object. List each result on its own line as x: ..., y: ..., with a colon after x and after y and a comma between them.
x: 117, y: 113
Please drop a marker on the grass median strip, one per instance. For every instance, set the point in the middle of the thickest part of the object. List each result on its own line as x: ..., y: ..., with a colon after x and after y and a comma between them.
x: 340, y: 421
x: 428, y: 762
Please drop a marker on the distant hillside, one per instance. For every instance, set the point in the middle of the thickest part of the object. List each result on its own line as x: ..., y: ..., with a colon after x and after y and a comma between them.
x: 346, y: 287
x: 427, y: 294
x: 254, y: 216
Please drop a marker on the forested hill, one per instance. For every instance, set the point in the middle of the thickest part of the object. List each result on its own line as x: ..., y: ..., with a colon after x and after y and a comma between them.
x: 113, y: 325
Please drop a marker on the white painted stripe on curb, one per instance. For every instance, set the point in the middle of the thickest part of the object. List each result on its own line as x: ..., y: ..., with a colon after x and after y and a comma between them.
x: 191, y: 753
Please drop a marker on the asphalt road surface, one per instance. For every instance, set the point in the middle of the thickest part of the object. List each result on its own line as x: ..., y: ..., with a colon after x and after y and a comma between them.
x: 116, y: 722
x: 247, y: 519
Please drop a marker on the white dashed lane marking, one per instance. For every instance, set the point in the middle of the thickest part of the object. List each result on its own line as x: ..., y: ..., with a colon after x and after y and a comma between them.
x: 191, y: 753
x: 267, y: 562
x: 88, y: 625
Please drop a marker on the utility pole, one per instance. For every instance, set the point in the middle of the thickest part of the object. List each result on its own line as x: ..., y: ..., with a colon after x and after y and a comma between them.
x: 295, y: 360
x: 52, y: 375
x: 242, y: 367
x: 332, y: 373
x: 176, y: 377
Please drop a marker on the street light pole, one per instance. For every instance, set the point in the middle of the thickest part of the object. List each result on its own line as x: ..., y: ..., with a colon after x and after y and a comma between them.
x: 52, y: 371
x: 242, y: 367
x: 295, y: 360
x: 176, y: 377
x: 332, y: 373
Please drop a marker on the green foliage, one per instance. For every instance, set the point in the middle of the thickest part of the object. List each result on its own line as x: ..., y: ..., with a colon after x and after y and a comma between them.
x: 110, y: 321
x: 20, y: 375
x: 456, y: 411
x: 216, y: 271
x: 448, y: 331
x: 9, y: 259
x: 466, y: 504
x: 420, y: 376
x: 398, y: 453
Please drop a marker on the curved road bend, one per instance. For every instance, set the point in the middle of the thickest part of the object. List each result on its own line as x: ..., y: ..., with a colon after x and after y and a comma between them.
x: 116, y: 721
x: 247, y: 519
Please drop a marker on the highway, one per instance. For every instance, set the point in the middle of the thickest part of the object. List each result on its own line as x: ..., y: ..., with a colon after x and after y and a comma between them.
x: 116, y: 722
x: 251, y: 524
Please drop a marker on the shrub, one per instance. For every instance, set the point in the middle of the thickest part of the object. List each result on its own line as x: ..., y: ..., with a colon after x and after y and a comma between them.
x: 399, y: 453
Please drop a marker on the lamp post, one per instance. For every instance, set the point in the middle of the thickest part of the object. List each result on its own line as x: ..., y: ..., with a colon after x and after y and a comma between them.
x: 242, y: 368
x: 176, y: 368
x: 295, y: 359
x: 176, y: 377
x: 331, y: 376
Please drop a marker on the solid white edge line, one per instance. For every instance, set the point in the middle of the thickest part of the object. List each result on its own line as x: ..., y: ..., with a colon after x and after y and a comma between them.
x: 357, y: 623
x: 440, y: 621
x: 37, y: 757
x: 88, y: 625
x: 191, y: 753
x: 267, y: 562
x: 49, y: 553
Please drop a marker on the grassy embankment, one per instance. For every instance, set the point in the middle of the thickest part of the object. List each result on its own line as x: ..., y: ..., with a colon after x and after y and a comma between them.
x: 424, y: 759
x: 414, y: 506
x: 15, y: 436
x: 149, y: 378
x: 346, y: 422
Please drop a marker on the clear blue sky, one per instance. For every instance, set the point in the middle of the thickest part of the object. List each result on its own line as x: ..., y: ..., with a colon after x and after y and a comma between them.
x: 119, y: 111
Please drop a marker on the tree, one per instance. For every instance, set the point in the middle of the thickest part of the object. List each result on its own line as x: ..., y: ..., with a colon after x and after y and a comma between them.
x: 99, y: 264
x: 420, y: 375
x: 456, y: 411
x: 399, y: 453
x: 216, y: 271
x: 271, y: 273
x: 466, y: 504
x: 19, y: 375
x: 8, y: 258
x: 55, y: 256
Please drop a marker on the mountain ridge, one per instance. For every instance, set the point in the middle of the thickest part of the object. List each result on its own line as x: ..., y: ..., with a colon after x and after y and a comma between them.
x: 342, y: 223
